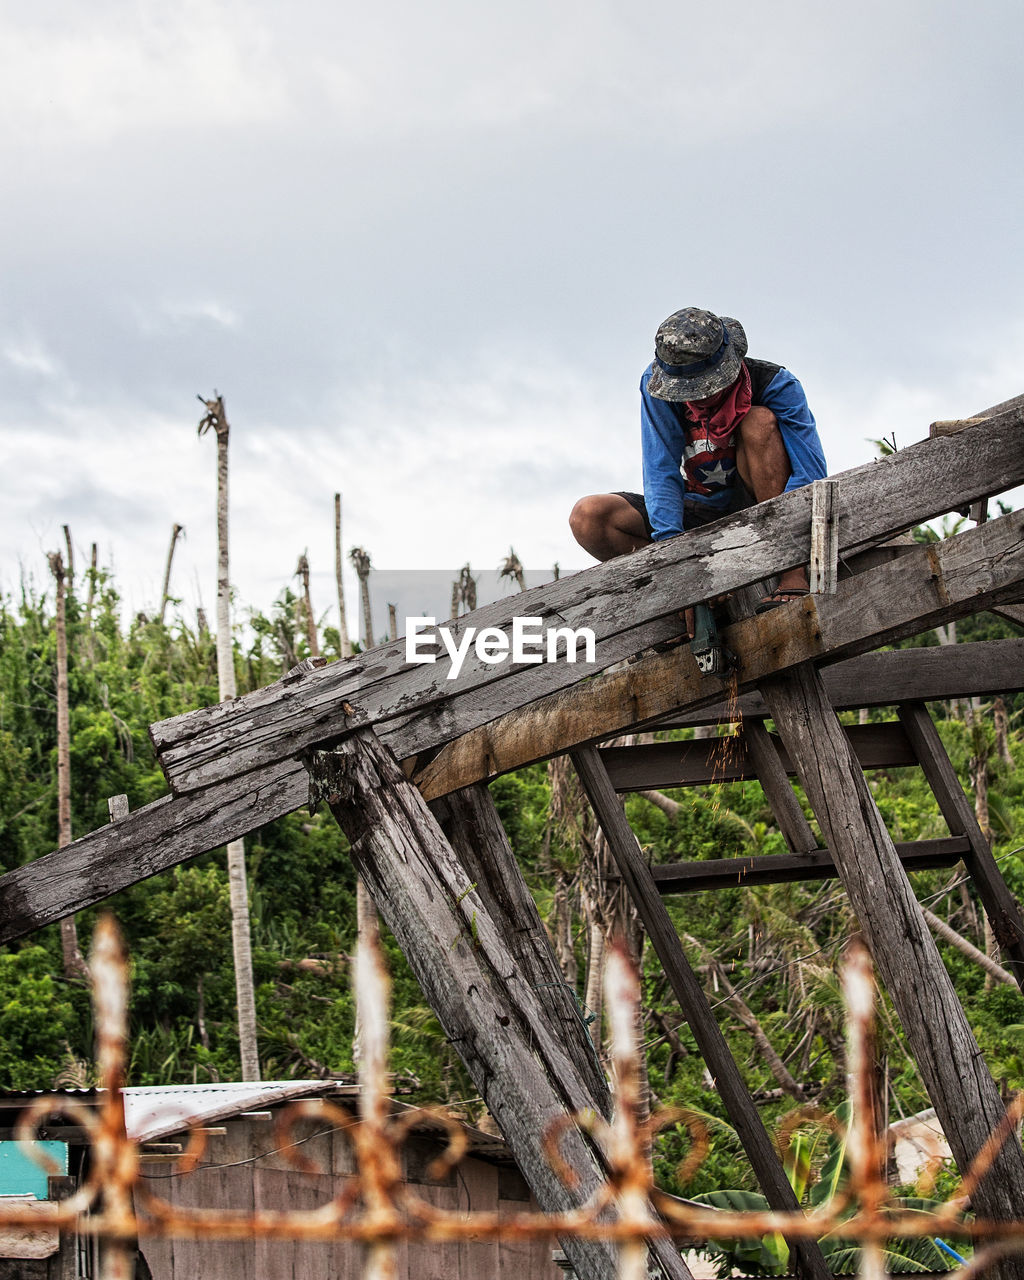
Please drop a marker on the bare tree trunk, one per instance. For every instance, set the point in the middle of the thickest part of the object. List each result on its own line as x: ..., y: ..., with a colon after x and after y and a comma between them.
x: 240, y: 937
x: 946, y: 634
x: 665, y: 803
x: 202, y: 626
x: 361, y: 560
x: 302, y: 572
x: 392, y: 622
x: 1002, y: 725
x: 71, y: 557
x: 979, y: 780
x: 90, y: 651
x: 592, y: 997
x: 74, y: 962
x: 346, y: 643
x: 165, y: 592
x: 943, y: 930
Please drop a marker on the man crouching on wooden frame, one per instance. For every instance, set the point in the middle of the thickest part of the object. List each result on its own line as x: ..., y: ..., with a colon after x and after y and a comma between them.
x: 718, y: 432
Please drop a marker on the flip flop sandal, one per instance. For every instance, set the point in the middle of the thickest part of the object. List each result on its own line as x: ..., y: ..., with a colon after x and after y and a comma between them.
x: 781, y: 596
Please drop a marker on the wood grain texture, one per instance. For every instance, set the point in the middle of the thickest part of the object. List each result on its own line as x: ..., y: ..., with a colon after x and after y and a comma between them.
x: 979, y: 562
x: 626, y: 602
x: 779, y: 868
x: 884, y: 679
x: 470, y: 822
x: 704, y: 761
x: 940, y: 1039
x: 947, y: 579
x: 459, y: 954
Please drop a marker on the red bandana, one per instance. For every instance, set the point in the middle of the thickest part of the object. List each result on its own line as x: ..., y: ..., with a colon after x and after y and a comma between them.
x: 720, y: 415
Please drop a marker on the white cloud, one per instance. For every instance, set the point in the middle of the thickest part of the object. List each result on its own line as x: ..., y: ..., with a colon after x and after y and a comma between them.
x: 31, y: 356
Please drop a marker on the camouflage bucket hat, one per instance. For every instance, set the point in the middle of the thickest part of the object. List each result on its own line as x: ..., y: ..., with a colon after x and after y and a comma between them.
x: 696, y: 354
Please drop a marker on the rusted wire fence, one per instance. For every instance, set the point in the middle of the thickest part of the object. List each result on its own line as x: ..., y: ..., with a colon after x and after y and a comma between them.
x: 377, y: 1209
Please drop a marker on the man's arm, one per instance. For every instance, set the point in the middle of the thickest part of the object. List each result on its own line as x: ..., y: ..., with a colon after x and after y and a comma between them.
x: 661, y: 441
x: 785, y: 397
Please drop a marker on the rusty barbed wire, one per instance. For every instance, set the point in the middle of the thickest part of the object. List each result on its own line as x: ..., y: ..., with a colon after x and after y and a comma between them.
x: 376, y: 1208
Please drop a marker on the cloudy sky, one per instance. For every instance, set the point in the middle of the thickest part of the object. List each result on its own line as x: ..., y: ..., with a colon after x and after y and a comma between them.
x: 422, y: 251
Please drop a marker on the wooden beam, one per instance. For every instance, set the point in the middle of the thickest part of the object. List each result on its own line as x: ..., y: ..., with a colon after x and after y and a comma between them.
x: 950, y: 578
x: 151, y: 839
x: 932, y: 674
x: 932, y: 583
x: 1000, y: 905
x: 939, y: 1036
x: 628, y: 603
x: 693, y: 1002
x: 779, y: 868
x: 761, y: 747
x: 704, y: 761
x: 470, y: 822
x: 823, y: 571
x: 459, y: 953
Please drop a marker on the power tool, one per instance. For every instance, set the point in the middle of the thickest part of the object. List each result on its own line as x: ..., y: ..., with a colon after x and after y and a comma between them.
x: 713, y: 659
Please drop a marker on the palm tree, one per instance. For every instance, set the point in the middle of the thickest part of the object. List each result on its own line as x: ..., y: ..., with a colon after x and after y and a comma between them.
x: 216, y: 420
x: 302, y: 572
x: 346, y: 643
x: 74, y: 962
x: 512, y: 567
x: 361, y: 560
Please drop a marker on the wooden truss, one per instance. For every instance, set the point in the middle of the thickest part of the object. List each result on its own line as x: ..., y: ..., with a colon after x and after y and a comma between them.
x: 402, y: 757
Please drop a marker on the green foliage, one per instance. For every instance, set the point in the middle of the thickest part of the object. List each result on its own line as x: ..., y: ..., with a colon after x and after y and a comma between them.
x: 779, y: 944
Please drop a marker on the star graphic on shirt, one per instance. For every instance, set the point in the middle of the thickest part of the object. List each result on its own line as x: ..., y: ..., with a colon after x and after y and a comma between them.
x: 716, y: 475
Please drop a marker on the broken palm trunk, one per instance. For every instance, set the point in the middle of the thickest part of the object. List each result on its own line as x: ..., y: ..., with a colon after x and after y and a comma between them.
x: 456, y: 938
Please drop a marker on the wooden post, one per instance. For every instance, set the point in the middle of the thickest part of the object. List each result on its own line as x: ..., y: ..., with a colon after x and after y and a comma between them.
x: 777, y: 789
x: 824, y: 560
x: 690, y: 994
x: 472, y: 826
x: 1000, y: 904
x: 961, y: 1089
x: 460, y: 954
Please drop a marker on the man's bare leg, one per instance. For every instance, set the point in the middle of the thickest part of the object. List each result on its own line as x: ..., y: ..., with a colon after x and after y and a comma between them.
x: 763, y: 464
x: 606, y: 525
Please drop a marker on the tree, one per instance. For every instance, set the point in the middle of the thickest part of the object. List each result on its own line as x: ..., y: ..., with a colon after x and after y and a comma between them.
x: 361, y: 560
x: 74, y: 961
x: 216, y: 420
x: 346, y: 643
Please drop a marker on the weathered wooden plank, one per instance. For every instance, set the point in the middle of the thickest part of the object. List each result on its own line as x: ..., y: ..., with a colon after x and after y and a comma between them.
x: 470, y: 822
x: 693, y: 1002
x: 152, y: 839
x: 705, y: 761
x: 1011, y: 612
x: 761, y: 748
x: 946, y: 579
x: 780, y: 868
x: 1000, y: 904
x: 939, y: 1036
x: 171, y: 831
x: 621, y: 601
x: 935, y: 673
x: 459, y: 954
x: 823, y: 571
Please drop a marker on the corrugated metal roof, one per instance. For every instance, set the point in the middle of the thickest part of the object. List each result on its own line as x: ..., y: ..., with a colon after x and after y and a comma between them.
x: 154, y: 1112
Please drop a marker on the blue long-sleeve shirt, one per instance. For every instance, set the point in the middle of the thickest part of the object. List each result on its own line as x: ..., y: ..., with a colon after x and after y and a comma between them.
x: 663, y: 439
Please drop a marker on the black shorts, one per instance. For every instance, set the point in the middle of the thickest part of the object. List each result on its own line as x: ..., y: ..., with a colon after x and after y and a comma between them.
x: 695, y: 514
